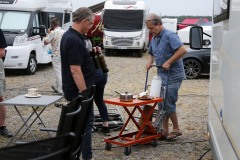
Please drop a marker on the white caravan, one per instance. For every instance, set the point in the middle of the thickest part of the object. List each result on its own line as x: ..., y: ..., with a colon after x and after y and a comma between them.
x: 124, y: 26
x: 24, y: 24
x: 224, y: 94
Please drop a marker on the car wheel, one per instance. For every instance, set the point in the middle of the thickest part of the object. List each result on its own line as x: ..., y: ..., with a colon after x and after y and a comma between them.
x: 193, y: 68
x: 32, y: 65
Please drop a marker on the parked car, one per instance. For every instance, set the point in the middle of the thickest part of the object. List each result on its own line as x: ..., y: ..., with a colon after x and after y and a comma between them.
x: 196, y: 63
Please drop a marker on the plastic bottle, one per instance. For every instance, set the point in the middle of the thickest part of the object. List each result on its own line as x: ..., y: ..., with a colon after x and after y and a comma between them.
x: 49, y: 51
x: 156, y: 86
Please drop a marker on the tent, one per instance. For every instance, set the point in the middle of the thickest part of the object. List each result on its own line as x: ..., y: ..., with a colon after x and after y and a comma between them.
x: 192, y: 21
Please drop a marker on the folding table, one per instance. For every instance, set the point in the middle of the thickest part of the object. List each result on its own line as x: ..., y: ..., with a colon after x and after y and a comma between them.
x: 146, y: 132
x: 38, y: 105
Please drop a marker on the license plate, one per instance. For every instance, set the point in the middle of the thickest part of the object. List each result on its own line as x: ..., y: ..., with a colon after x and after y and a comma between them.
x: 122, y: 47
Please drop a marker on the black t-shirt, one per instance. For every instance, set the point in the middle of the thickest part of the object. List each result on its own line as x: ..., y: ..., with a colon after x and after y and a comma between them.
x: 3, y: 43
x: 74, y: 52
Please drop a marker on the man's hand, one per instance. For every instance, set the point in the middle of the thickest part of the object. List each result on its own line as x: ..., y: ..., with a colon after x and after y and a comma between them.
x: 148, y: 66
x: 166, y: 65
x: 49, y: 30
x: 97, y: 50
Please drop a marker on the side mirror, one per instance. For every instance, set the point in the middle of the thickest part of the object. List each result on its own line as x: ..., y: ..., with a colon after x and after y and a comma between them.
x: 41, y: 30
x: 196, y: 37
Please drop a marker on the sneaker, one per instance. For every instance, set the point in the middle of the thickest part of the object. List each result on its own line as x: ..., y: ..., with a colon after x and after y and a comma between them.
x: 105, y: 131
x: 5, y: 132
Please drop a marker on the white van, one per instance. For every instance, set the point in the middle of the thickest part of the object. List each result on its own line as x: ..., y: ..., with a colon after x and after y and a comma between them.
x: 24, y: 24
x: 124, y: 26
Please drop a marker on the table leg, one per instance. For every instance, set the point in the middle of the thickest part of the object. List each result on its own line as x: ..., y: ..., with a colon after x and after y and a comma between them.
x: 24, y: 124
x: 130, y: 117
x: 146, y: 122
x: 37, y: 117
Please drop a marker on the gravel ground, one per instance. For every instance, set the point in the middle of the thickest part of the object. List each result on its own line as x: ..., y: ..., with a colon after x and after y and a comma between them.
x: 126, y: 74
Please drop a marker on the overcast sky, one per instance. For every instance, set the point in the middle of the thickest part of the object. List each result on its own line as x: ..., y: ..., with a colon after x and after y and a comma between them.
x: 169, y: 7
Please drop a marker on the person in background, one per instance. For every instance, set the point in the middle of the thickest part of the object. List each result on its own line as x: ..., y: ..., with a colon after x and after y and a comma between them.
x: 167, y: 51
x: 3, y: 130
x: 100, y: 82
x: 78, y: 71
x: 54, y: 37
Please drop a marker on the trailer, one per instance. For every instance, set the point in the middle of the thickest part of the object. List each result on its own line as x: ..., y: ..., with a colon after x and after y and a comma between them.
x: 224, y: 91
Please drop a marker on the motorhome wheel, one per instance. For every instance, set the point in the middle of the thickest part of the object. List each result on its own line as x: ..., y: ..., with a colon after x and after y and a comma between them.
x: 32, y: 65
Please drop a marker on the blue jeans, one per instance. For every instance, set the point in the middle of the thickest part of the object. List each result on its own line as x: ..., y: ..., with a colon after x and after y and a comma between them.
x: 87, y: 138
x: 101, y: 80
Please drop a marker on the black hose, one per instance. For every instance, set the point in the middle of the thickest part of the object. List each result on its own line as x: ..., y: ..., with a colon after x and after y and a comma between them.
x: 204, y: 154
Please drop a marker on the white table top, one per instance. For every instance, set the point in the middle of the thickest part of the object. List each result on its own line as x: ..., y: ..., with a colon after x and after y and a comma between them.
x: 22, y: 100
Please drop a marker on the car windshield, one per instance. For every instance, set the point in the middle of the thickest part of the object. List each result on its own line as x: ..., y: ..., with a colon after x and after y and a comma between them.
x: 14, y: 20
x: 123, y: 20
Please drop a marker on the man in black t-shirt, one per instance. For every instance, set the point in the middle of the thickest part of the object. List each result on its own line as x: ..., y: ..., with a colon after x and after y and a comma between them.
x: 78, y: 71
x: 3, y: 129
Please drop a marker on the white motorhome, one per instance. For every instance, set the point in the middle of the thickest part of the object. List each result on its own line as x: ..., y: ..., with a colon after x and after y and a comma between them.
x: 224, y: 94
x: 24, y: 24
x: 124, y: 26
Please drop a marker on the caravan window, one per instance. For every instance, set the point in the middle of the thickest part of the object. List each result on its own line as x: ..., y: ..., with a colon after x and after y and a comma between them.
x: 36, y: 24
x: 221, y: 10
x: 123, y: 20
x: 66, y: 18
x: 9, y: 19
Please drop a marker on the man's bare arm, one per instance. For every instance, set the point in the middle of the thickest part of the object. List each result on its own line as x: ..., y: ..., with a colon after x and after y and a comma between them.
x: 78, y: 77
x: 150, y: 61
